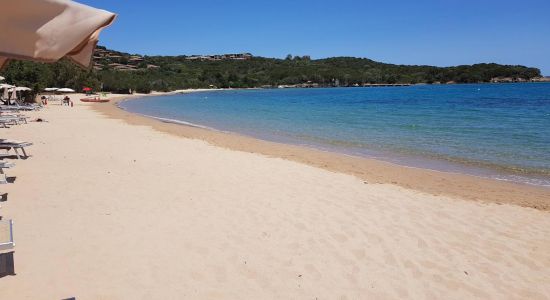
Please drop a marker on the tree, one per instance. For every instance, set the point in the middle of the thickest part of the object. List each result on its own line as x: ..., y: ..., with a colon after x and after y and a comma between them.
x: 177, y: 72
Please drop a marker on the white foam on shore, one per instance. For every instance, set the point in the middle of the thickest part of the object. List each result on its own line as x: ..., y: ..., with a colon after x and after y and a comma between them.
x: 173, y: 121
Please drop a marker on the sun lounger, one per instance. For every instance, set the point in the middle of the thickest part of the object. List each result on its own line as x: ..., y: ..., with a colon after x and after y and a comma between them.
x: 7, y: 244
x: 14, y: 119
x: 29, y: 107
x: 15, y: 145
x: 20, y: 117
x: 4, y: 165
x: 6, y: 235
x: 9, y: 108
x: 9, y: 121
x: 7, y: 266
x: 5, y: 123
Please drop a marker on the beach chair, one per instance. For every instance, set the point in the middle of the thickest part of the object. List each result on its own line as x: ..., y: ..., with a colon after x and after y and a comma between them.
x: 20, y: 117
x: 7, y: 244
x: 29, y: 106
x: 6, y: 108
x: 7, y: 265
x: 6, y: 235
x: 15, y: 118
x: 17, y: 108
x: 15, y: 145
x: 4, y: 165
x: 5, y: 123
x: 10, y: 120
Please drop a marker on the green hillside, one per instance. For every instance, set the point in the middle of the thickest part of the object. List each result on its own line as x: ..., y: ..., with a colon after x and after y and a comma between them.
x: 120, y: 72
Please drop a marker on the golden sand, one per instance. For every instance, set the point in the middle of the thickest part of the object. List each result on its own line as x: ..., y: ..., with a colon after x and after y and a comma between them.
x: 116, y: 209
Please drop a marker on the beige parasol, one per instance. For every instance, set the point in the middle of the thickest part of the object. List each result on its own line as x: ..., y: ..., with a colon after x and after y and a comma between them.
x: 48, y: 30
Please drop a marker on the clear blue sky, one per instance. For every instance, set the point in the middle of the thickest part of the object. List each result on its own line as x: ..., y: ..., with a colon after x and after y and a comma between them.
x: 434, y: 32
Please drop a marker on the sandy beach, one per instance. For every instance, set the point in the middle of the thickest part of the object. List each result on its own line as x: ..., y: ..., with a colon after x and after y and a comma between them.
x: 371, y: 170
x: 117, y: 206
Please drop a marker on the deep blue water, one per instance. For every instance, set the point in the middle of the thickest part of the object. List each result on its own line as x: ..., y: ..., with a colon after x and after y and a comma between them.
x: 500, y: 131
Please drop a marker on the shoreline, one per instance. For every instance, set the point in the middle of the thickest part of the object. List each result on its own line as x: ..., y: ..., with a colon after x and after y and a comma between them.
x: 468, y: 187
x: 451, y: 165
x: 131, y: 212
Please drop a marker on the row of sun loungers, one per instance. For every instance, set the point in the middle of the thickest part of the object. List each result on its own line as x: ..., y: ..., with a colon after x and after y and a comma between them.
x: 9, y: 116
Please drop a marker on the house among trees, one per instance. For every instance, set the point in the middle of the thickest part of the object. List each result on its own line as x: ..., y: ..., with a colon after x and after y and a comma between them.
x: 541, y: 79
x: 99, y: 53
x: 122, y: 67
x: 134, y: 59
x: 97, y: 66
x: 507, y: 80
x: 240, y: 56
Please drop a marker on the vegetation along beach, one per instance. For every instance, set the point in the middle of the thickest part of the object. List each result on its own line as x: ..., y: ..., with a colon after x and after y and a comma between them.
x: 206, y: 164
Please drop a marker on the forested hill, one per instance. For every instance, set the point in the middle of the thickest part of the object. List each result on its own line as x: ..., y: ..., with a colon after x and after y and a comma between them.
x: 117, y: 71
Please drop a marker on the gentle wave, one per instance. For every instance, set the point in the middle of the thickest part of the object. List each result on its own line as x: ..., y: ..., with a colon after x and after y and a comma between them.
x: 167, y: 120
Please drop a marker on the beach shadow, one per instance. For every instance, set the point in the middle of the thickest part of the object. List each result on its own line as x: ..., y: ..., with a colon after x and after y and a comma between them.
x: 11, y: 179
x: 14, y: 157
x: 7, y: 264
x: 4, y: 197
x: 7, y: 156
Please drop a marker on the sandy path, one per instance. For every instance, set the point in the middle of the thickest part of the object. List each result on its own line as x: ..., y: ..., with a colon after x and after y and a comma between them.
x: 106, y: 210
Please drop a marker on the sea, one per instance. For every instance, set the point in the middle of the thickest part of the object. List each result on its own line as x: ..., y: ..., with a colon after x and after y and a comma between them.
x: 499, y: 131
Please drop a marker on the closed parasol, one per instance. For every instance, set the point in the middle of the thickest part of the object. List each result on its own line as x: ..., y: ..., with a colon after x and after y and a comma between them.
x: 65, y: 90
x: 22, y: 89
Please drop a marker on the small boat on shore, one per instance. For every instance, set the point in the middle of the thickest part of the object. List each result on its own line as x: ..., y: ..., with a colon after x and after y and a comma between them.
x: 95, y: 99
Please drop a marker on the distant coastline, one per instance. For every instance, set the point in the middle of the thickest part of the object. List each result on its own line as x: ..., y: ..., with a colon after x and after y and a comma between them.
x: 124, y: 73
x: 496, y: 81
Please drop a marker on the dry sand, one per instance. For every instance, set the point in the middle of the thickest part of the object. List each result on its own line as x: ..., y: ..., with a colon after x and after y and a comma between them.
x: 110, y: 210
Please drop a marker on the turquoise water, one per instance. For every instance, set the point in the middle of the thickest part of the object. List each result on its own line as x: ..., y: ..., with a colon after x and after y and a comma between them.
x: 499, y: 131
